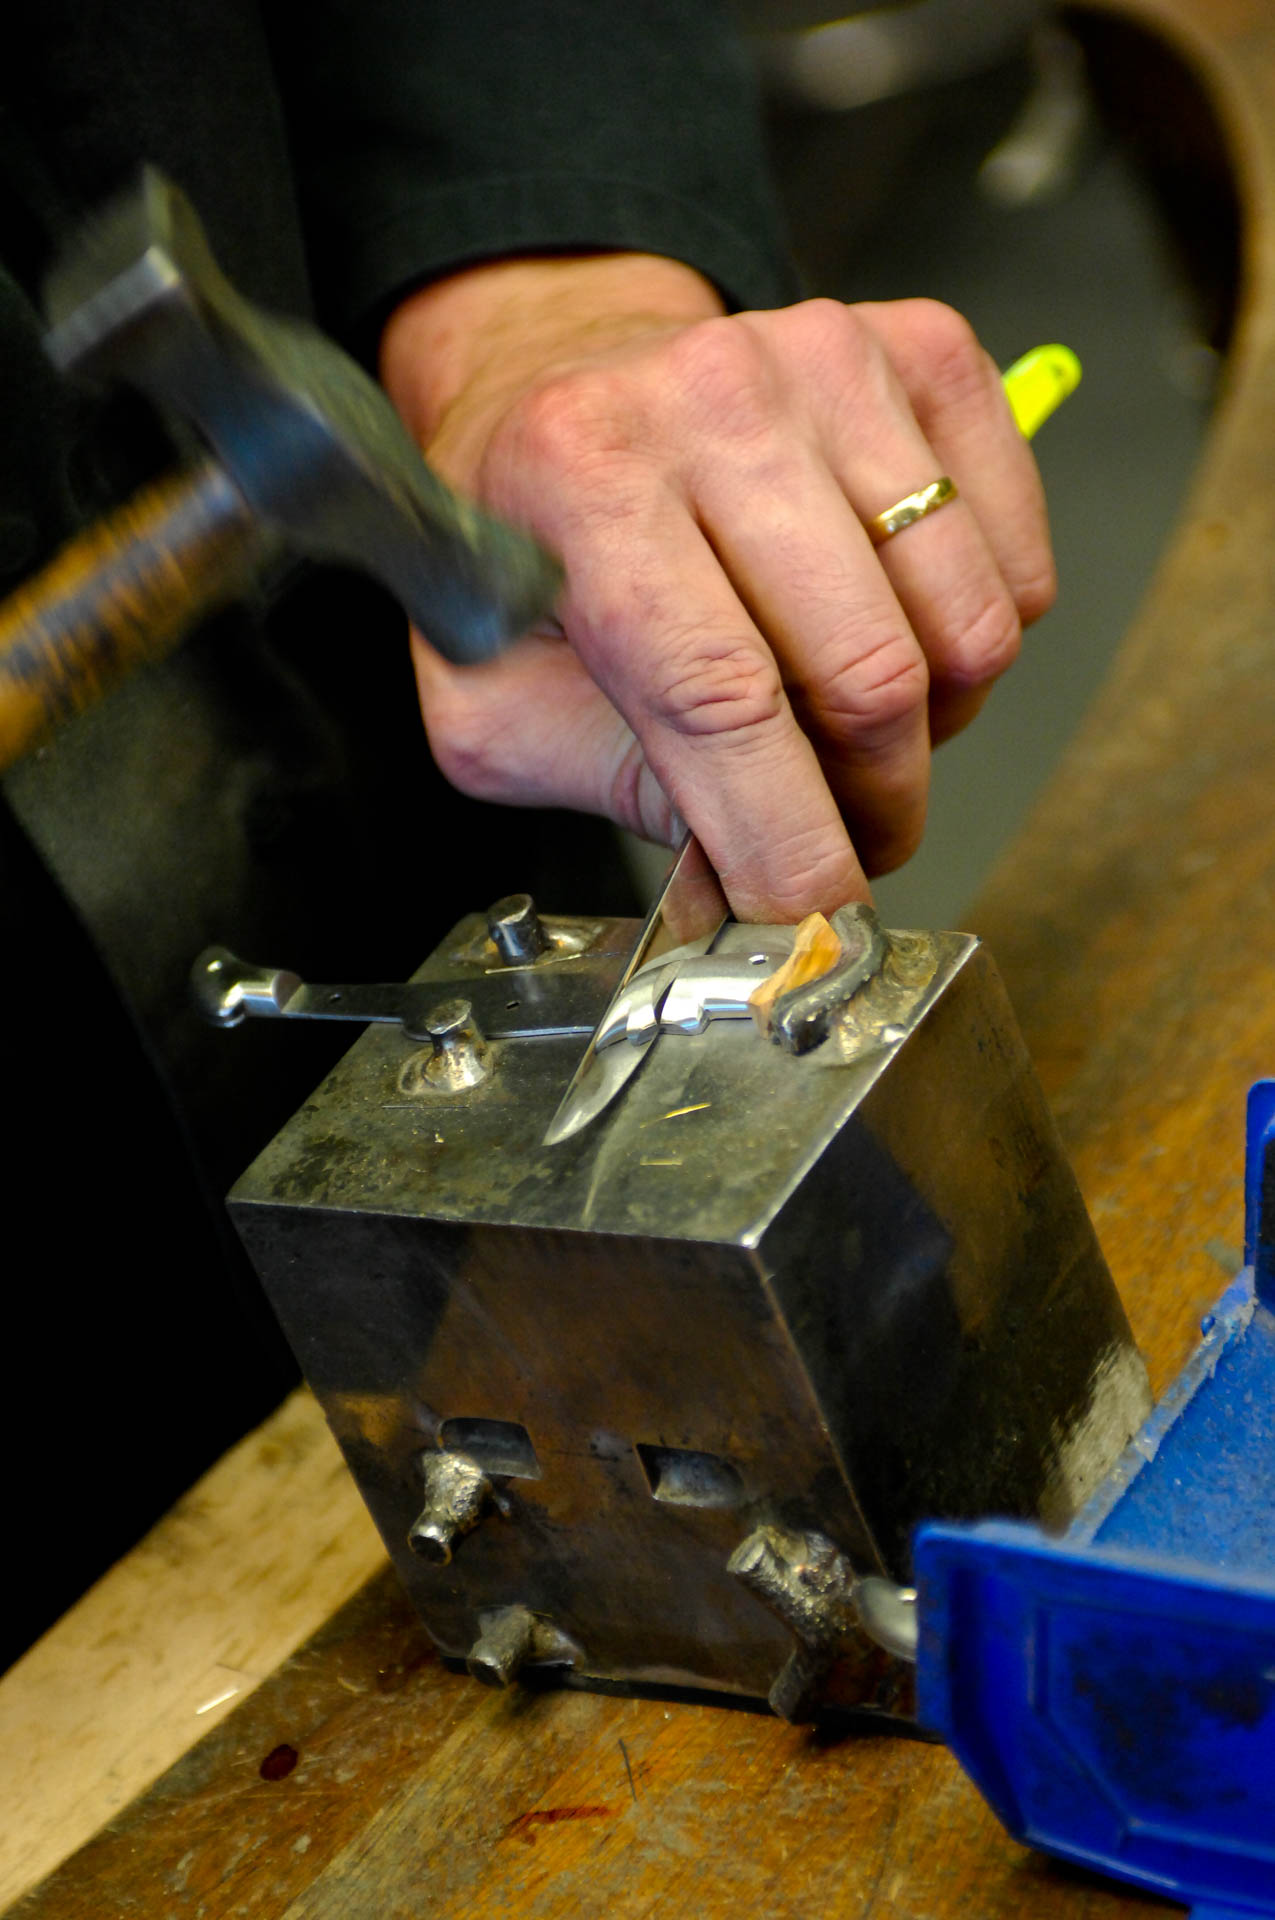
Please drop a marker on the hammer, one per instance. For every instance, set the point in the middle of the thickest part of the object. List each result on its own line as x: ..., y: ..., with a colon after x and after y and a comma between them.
x: 306, y: 454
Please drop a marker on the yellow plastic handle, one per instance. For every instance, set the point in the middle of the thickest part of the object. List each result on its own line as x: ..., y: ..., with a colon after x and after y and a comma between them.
x: 1038, y: 384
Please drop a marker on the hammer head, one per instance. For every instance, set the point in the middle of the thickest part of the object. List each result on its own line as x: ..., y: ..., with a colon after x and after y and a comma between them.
x: 311, y: 441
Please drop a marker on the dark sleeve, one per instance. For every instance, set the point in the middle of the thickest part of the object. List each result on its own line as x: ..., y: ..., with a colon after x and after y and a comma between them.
x: 431, y: 133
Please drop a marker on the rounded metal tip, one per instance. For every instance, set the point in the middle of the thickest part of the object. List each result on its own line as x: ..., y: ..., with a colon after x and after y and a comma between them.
x: 214, y: 987
x: 515, y: 928
x: 450, y: 1020
x: 458, y: 1058
x: 489, y: 1671
x: 888, y: 1615
x: 750, y: 1556
x: 503, y: 1646
x: 432, y: 1543
x: 225, y: 988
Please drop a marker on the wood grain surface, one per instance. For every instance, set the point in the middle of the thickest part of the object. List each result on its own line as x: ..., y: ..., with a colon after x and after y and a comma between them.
x: 248, y: 1565
x: 1134, y: 920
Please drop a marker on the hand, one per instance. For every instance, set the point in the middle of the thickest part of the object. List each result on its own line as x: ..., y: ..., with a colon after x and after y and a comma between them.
x: 733, y: 652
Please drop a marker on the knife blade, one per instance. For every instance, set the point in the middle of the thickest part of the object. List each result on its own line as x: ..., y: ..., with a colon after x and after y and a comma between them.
x: 689, y: 909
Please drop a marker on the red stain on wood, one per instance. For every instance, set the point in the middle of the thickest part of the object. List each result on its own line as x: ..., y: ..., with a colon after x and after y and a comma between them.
x: 278, y: 1763
x: 524, y: 1827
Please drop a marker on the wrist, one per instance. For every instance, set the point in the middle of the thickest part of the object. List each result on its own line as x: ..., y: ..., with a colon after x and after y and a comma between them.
x: 500, y: 324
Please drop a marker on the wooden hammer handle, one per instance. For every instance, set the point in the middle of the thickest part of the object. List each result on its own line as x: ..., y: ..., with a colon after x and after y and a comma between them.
x: 122, y: 592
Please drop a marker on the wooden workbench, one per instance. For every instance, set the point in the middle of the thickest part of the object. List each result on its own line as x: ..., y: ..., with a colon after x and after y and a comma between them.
x: 1135, y: 922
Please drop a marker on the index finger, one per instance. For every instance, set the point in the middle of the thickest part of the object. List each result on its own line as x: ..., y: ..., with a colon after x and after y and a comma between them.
x: 661, y: 630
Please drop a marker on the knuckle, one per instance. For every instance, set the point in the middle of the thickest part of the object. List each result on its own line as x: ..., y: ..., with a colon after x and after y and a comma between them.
x: 879, y: 691
x: 949, y: 350
x: 940, y: 329
x: 985, y: 643
x: 845, y: 357
x: 570, y: 419
x: 1036, y: 592
x: 718, y: 685
x: 850, y: 362
x: 827, y: 329
x: 572, y: 463
x: 721, y: 368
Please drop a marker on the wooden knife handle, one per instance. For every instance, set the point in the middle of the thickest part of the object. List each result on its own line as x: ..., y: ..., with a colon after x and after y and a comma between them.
x: 122, y: 592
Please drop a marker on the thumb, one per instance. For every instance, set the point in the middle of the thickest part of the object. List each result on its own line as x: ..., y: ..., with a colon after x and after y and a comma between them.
x: 532, y: 729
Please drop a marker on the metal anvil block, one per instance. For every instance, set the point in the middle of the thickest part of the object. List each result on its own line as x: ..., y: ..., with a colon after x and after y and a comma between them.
x: 662, y: 1403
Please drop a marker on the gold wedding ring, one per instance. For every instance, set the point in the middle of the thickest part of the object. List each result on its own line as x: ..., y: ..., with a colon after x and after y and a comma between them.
x: 913, y: 506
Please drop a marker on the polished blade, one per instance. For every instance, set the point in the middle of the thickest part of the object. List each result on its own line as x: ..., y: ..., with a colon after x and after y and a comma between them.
x: 690, y: 906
